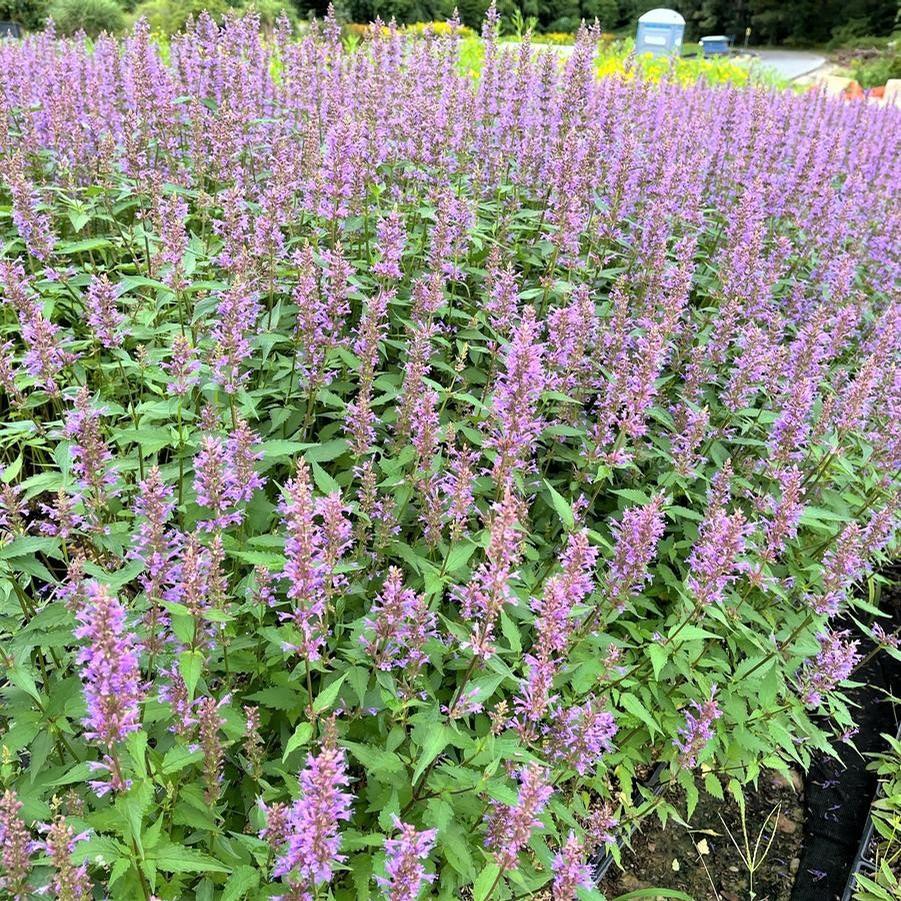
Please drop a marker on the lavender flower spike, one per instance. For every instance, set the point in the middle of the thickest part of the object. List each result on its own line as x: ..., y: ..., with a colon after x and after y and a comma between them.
x: 697, y: 731
x: 110, y: 670
x: 403, y: 864
x: 17, y: 848
x: 313, y: 839
x: 571, y: 871
x: 510, y: 826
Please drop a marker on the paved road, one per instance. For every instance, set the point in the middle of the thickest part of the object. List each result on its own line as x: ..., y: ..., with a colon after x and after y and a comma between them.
x: 790, y: 63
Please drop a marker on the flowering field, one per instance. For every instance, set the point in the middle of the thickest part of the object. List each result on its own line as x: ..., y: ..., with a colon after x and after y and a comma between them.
x: 396, y: 466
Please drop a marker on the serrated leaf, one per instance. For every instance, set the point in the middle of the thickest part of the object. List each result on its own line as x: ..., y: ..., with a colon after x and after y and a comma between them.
x: 330, y: 450
x: 240, y: 882
x: 326, y: 698
x: 562, y: 507
x: 179, y: 757
x: 658, y: 655
x: 278, y: 697
x: 486, y: 882
x: 281, y: 448
x: 27, y: 546
x: 458, y: 556
x: 302, y: 734
x: 437, y: 739
x: 375, y: 760
x: 172, y: 858
x: 190, y: 664
x: 639, y: 711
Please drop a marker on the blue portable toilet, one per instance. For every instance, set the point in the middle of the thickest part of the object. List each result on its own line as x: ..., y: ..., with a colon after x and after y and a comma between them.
x: 660, y: 32
x: 715, y: 45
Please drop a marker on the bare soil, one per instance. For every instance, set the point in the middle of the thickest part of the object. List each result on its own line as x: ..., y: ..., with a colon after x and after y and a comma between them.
x: 703, y: 861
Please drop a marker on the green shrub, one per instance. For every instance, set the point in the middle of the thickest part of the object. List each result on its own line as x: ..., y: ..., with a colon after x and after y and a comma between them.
x: 871, y: 73
x: 30, y: 14
x: 90, y: 16
x: 270, y: 11
x: 607, y: 12
x: 170, y: 16
x: 849, y: 31
x: 884, y: 883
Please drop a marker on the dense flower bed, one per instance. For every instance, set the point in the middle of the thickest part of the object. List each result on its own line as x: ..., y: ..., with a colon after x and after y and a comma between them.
x: 395, y: 465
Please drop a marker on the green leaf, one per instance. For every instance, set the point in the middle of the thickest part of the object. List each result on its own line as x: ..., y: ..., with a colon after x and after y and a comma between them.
x: 179, y: 757
x: 190, y: 664
x: 27, y: 546
x: 137, y: 746
x: 133, y: 805
x: 327, y: 697
x: 330, y: 450
x: 151, y: 439
x: 692, y: 633
x: 713, y: 786
x: 486, y: 882
x: 458, y: 556
x: 658, y: 657
x: 278, y: 697
x: 456, y: 849
x: 684, y: 512
x: 65, y: 247
x: 172, y: 858
x: 241, y: 881
x: 437, y: 739
x: 22, y: 679
x: 633, y: 494
x: 280, y: 448
x: 687, y: 781
x: 375, y: 760
x: 561, y: 505
x: 302, y: 734
x: 511, y: 633
x: 324, y: 482
x: 11, y: 471
x: 639, y: 711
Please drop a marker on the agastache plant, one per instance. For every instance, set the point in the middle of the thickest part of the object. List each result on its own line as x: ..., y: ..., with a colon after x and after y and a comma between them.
x: 109, y: 668
x: 313, y: 823
x: 405, y: 874
x: 510, y: 826
x: 400, y: 442
x: 18, y: 848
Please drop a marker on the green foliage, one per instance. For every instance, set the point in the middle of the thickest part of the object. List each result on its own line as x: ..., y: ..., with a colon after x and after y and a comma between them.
x: 270, y: 11
x: 874, y: 71
x: 170, y: 16
x: 607, y: 12
x: 30, y: 14
x: 775, y: 21
x: 90, y: 16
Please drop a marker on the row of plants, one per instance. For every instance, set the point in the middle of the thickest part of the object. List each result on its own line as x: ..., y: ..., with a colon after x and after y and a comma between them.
x: 398, y: 465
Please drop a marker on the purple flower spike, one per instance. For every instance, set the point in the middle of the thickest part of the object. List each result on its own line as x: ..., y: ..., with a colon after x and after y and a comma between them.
x: 403, y: 864
x: 109, y: 668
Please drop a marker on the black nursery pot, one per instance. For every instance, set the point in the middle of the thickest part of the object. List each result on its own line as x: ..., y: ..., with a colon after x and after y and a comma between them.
x: 839, y: 793
x: 864, y: 861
